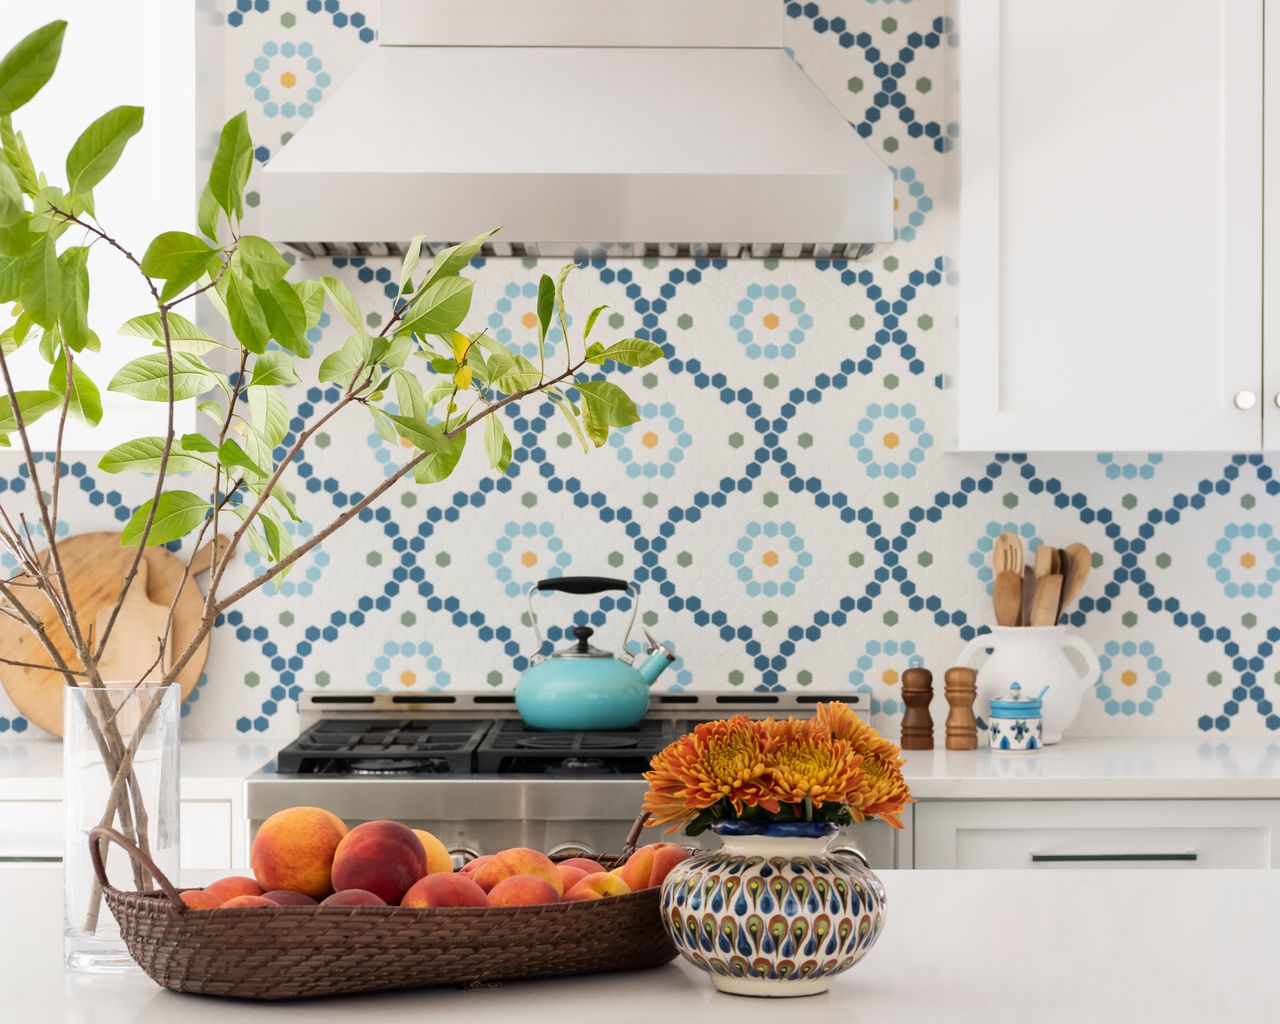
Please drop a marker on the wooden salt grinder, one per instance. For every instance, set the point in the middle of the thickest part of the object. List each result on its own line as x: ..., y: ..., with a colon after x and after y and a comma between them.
x: 962, y: 727
x: 917, y: 723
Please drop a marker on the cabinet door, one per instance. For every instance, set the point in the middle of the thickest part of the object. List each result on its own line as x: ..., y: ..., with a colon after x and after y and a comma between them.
x: 1110, y: 225
x: 1271, y: 284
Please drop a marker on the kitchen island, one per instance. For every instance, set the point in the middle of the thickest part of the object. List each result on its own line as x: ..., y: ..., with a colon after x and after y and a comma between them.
x: 980, y: 946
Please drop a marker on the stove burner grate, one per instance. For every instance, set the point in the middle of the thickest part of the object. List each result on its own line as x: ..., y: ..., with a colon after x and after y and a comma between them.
x: 512, y: 748
x: 341, y: 746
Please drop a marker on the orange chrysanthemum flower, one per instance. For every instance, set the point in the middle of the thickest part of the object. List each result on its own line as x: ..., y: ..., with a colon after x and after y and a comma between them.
x: 882, y: 791
x: 843, y: 724
x: 806, y: 763
x: 717, y: 761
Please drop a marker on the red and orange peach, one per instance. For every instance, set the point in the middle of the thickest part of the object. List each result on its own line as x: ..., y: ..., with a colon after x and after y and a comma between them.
x: 353, y: 898
x: 198, y: 899
x: 523, y: 890
x: 285, y: 898
x: 237, y: 902
x: 294, y: 850
x: 381, y: 857
x: 445, y: 890
x: 597, y: 886
x: 235, y: 885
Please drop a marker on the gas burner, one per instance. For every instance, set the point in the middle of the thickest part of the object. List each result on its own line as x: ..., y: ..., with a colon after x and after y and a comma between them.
x: 585, y: 765
x: 577, y: 740
x: 513, y: 748
x: 390, y: 766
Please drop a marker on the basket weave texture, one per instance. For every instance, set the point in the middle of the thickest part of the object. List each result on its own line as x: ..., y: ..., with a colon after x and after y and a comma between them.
x: 296, y: 952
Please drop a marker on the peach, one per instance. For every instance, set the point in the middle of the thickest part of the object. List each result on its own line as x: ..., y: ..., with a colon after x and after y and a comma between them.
x: 445, y: 890
x: 285, y: 898
x: 198, y: 899
x: 486, y: 872
x: 237, y: 902
x: 649, y: 865
x: 353, y: 898
x: 382, y: 857
x: 520, y: 860
x: 236, y: 885
x: 597, y: 886
x: 475, y: 864
x: 523, y: 891
x: 438, y: 859
x: 570, y: 876
x: 591, y: 867
x: 294, y: 850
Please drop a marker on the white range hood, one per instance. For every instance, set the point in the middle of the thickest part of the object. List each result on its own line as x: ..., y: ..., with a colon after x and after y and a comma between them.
x: 582, y: 127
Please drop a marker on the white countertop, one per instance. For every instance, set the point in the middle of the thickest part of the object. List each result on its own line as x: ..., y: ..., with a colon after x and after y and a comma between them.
x: 1102, y: 946
x: 1076, y: 769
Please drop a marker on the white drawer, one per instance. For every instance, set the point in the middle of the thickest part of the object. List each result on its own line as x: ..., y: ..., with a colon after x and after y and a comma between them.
x: 1098, y: 834
x: 31, y: 829
x: 205, y: 839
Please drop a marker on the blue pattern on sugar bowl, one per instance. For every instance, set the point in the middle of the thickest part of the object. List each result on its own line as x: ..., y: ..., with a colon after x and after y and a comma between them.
x: 773, y: 913
x: 1015, y: 724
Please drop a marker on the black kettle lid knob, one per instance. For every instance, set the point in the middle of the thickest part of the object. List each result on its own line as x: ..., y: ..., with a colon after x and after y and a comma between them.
x: 582, y: 634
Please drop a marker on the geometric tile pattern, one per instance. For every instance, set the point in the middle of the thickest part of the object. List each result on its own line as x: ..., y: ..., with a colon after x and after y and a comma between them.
x: 787, y: 505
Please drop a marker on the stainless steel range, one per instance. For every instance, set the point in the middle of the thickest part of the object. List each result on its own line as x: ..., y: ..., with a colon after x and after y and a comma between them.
x: 465, y: 766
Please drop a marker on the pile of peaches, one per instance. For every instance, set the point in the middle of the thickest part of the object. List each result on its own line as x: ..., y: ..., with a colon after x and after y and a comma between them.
x: 305, y: 855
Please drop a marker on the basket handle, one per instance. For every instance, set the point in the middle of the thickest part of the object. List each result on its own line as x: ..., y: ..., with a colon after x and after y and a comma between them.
x: 100, y: 835
x: 633, y: 837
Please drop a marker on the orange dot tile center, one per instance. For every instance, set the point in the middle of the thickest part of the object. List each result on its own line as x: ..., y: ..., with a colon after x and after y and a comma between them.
x: 1129, y: 677
x: 1248, y: 560
x: 892, y: 440
x: 530, y: 319
x: 288, y: 79
x: 770, y: 558
x: 407, y: 678
x: 771, y: 321
x: 528, y: 559
x: 889, y: 677
x: 650, y: 439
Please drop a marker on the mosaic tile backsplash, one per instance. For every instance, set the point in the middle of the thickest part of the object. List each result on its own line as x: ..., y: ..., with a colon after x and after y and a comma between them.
x: 787, y: 505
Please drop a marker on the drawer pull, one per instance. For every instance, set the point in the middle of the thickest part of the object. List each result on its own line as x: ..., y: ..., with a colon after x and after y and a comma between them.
x: 1102, y: 858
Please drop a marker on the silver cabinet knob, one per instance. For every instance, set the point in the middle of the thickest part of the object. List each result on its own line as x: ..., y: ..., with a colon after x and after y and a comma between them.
x: 1247, y: 399
x: 1278, y: 398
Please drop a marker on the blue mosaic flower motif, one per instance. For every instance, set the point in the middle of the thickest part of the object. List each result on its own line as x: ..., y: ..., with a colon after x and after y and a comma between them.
x: 980, y: 556
x: 341, y: 19
x: 301, y: 582
x: 1144, y: 470
x: 282, y: 68
x: 865, y: 680
x: 903, y: 447
x: 527, y: 552
x: 917, y: 202
x: 780, y: 564
x: 1157, y: 677
x: 517, y: 310
x: 656, y: 446
x: 403, y: 664
x: 1254, y: 571
x: 771, y: 321
x: 236, y: 18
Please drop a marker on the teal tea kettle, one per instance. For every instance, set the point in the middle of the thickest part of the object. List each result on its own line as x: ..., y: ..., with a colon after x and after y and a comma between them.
x: 583, y: 687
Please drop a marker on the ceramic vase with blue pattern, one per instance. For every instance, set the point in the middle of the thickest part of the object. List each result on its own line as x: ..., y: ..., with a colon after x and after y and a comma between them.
x: 773, y: 912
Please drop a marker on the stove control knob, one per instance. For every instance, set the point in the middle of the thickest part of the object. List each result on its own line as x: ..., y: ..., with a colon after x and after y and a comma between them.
x: 571, y: 850
x: 462, y: 856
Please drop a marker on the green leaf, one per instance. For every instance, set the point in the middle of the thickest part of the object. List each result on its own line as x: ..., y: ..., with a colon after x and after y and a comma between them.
x: 26, y: 68
x: 198, y: 443
x: 40, y: 287
x: 233, y: 457
x: 628, y: 351
x: 410, y: 264
x: 257, y: 449
x: 285, y: 315
x: 179, y: 258
x: 214, y: 410
x: 18, y: 156
x: 32, y: 405
x: 340, y: 367
x: 591, y: 321
x: 177, y: 514
x: 208, y: 214
x: 496, y: 443
x: 382, y: 423
x: 14, y: 337
x: 147, y: 377
x: 85, y: 402
x: 451, y: 261
x: 409, y: 395
x: 522, y: 376
x: 563, y: 405
x: 99, y: 147
x: 12, y: 205
x: 260, y: 260
x: 439, y: 465
x: 229, y: 172
x: 184, y: 336
x: 344, y: 300
x: 563, y: 276
x: 311, y: 295
x: 144, y: 454
x: 546, y: 307
x: 247, y: 319
x: 74, y: 316
x: 273, y: 369
x: 428, y: 437
x: 285, y: 500
x: 270, y: 414
x: 441, y: 308
x: 10, y: 277
x: 605, y: 405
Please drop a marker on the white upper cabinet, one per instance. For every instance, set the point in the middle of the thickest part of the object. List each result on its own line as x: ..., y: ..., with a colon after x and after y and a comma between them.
x: 1111, y: 230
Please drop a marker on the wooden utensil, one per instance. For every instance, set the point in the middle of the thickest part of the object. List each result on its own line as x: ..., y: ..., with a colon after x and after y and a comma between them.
x: 1028, y: 594
x: 962, y: 727
x: 1079, y: 562
x: 95, y: 565
x: 1044, y: 607
x: 1044, y: 561
x: 1007, y: 553
x: 1006, y: 595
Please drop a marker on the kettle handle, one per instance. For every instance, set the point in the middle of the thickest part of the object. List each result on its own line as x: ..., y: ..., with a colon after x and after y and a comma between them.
x: 585, y: 585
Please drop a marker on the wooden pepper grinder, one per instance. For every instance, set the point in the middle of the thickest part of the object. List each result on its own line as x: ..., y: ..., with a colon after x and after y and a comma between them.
x: 917, y: 694
x: 962, y: 727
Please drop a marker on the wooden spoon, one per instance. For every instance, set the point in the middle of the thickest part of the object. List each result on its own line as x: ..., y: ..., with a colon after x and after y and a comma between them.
x: 1007, y: 553
x: 1044, y: 560
x: 1006, y: 595
x: 1079, y: 562
x: 1044, y: 607
x: 1028, y: 594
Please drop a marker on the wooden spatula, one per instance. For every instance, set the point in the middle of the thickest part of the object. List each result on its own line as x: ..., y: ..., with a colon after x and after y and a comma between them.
x: 1006, y: 595
x: 1079, y: 562
x: 1044, y: 560
x: 1028, y: 594
x: 1044, y: 607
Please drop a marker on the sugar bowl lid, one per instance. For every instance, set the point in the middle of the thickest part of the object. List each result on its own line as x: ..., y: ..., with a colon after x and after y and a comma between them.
x: 1016, y: 705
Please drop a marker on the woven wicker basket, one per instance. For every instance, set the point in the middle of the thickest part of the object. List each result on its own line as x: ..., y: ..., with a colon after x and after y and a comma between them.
x: 295, y: 952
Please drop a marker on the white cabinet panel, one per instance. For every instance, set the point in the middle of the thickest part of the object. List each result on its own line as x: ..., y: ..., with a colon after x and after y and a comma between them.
x: 1111, y: 224
x: 1098, y: 834
x: 206, y: 837
x: 31, y: 830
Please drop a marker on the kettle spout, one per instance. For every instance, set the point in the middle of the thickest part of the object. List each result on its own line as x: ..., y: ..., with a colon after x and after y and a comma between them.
x: 657, y: 662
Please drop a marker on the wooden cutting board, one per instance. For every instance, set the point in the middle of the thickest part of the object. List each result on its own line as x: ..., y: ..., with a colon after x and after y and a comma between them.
x: 95, y: 565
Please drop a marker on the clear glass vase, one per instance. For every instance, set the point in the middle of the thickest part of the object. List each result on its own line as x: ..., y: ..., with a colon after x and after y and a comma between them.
x: 120, y: 769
